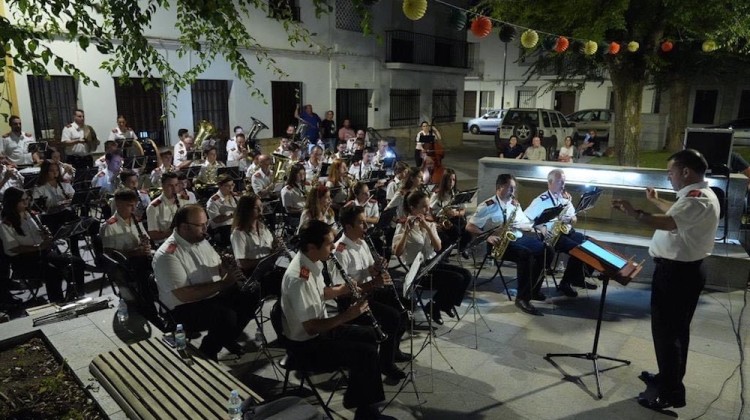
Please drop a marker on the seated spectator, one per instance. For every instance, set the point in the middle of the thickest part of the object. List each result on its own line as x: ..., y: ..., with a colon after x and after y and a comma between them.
x: 567, y: 152
x: 513, y: 150
x: 590, y: 145
x: 535, y: 151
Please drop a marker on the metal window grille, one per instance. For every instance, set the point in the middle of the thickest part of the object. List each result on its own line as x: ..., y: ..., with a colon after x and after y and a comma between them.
x: 444, y: 105
x: 347, y: 17
x: 283, y: 9
x: 52, y: 104
x: 404, y: 107
x: 211, y: 103
x: 526, y: 99
x: 143, y: 108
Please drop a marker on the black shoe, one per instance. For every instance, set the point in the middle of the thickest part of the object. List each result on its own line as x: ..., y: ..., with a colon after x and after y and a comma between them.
x: 567, y: 290
x: 465, y: 255
x: 539, y: 296
x: 366, y: 412
x: 527, y: 307
x: 649, y: 378
x: 451, y: 311
x: 660, y: 403
x: 236, y: 349
x: 586, y: 285
x: 401, y: 357
x: 392, y: 372
x: 435, y: 314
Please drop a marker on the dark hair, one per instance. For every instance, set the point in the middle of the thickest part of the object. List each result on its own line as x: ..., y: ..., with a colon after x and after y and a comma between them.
x: 109, y: 143
x: 109, y: 155
x: 79, y: 110
x: 48, y: 153
x: 166, y: 152
x: 412, y: 200
x: 208, y: 149
x: 223, y: 179
x: 11, y: 198
x: 691, y: 159
x: 244, y: 212
x: 291, y: 179
x: 354, y: 192
x: 13, y: 117
x: 183, y: 213
x: 181, y: 176
x: 444, y: 187
x: 239, y: 135
x: 181, y: 132
x: 169, y: 175
x: 293, y: 147
x: 125, y: 174
x: 348, y: 215
x: 503, y: 179
x: 236, y: 127
x: 313, y: 233
x: 312, y: 201
x: 400, y: 166
x: 412, y: 179
x: 126, y: 194
x: 44, y: 172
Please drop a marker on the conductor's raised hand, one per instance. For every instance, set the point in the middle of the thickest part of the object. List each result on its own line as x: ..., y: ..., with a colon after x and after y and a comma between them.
x: 651, y: 194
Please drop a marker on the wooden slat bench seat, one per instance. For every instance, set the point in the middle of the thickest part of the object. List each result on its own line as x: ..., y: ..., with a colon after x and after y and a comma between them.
x: 149, y: 380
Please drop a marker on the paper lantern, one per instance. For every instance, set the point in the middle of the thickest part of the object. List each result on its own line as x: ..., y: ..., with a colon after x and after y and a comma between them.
x: 667, y: 46
x: 529, y: 38
x: 458, y: 20
x: 633, y: 46
x: 561, y: 44
x: 481, y: 26
x: 590, y: 47
x: 415, y: 9
x: 614, y: 48
x: 709, y: 46
x: 507, y: 33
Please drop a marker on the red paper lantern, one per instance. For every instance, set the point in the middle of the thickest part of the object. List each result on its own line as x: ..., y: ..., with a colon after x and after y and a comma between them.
x: 562, y: 44
x: 481, y: 26
x: 614, y: 48
x: 667, y: 46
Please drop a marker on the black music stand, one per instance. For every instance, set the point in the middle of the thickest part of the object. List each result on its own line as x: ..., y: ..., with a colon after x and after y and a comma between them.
x: 232, y: 171
x: 135, y: 163
x: 611, y: 266
x: 124, y: 143
x: 324, y: 170
x: 193, y: 171
x: 38, y: 147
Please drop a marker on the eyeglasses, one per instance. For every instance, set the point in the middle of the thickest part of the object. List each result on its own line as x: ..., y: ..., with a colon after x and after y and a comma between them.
x: 200, y: 225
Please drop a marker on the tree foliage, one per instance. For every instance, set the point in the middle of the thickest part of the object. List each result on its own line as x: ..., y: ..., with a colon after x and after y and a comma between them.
x: 687, y: 23
x: 118, y: 29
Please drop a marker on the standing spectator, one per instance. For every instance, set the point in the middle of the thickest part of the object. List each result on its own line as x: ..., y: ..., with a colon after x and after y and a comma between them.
x: 79, y: 140
x: 328, y: 131
x: 535, y: 151
x: 313, y: 123
x: 346, y: 132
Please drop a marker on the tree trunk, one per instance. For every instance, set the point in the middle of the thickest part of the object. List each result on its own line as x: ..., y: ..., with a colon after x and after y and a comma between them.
x: 679, y: 95
x: 627, y: 86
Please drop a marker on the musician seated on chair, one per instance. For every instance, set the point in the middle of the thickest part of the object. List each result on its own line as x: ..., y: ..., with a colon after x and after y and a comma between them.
x: 182, y: 148
x: 32, y: 252
x: 338, y: 183
x: 555, y: 196
x: 66, y: 169
x: 314, y: 164
x: 14, y: 146
x: 123, y: 232
x: 371, y: 276
x: 221, y: 208
x: 129, y: 180
x: 101, y: 162
x: 412, y: 182
x: 293, y: 194
x: 527, y: 250
x: 166, y: 166
x: 106, y: 179
x: 10, y: 177
x: 417, y: 235
x: 198, y: 288
x: 209, y: 168
x: 324, y: 342
x: 262, y: 179
x: 162, y: 209
x: 252, y: 241
x: 440, y: 201
x: 400, y: 172
x: 318, y: 207
x: 184, y: 190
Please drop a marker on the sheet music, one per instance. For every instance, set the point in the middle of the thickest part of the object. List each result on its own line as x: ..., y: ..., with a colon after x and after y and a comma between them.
x: 412, y: 274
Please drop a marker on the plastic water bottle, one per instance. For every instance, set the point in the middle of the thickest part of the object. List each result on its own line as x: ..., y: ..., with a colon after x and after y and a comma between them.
x: 122, y: 311
x: 234, y: 406
x: 179, y: 338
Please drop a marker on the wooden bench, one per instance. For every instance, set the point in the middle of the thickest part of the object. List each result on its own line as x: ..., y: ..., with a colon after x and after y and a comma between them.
x: 149, y: 380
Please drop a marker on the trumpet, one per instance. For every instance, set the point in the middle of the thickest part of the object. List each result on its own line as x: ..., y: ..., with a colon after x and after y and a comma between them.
x: 381, y: 336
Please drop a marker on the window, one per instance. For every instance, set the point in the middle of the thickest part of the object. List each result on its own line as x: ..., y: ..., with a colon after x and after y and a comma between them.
x: 744, y: 109
x: 52, y: 104
x: 142, y: 108
x: 486, y: 101
x: 470, y: 103
x: 404, y: 107
x: 704, y: 108
x: 347, y: 17
x: 525, y: 99
x: 283, y: 9
x: 211, y: 103
x: 443, y: 105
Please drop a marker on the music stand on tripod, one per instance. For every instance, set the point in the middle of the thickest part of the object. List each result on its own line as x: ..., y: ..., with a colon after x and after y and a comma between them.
x: 68, y: 231
x: 612, y: 266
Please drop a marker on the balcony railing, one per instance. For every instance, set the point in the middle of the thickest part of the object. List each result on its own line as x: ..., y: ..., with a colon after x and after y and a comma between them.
x: 414, y: 48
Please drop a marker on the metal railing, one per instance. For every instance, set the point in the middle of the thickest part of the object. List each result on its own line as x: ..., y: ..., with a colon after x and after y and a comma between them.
x: 415, y: 48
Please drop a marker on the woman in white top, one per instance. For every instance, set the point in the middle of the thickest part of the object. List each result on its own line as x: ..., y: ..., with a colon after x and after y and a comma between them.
x: 567, y: 151
x: 209, y: 168
x: 122, y: 131
x: 418, y: 235
x: 50, y: 185
x: 252, y: 241
x: 318, y: 207
x: 426, y: 130
x: 338, y: 183
x: 455, y: 216
x: 412, y: 182
x: 30, y: 249
x: 293, y: 194
x: 67, y: 170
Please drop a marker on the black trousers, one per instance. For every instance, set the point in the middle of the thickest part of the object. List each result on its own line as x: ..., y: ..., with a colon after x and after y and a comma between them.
x: 530, y: 255
x: 52, y: 268
x: 576, y: 271
x: 674, y: 296
x: 392, y: 322
x: 418, y: 158
x: 224, y: 316
x: 352, y: 347
x: 449, y: 283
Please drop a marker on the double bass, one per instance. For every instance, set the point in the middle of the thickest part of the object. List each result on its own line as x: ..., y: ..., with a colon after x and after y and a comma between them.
x: 434, y: 149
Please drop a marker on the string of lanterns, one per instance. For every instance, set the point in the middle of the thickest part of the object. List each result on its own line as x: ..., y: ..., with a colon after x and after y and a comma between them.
x: 481, y: 26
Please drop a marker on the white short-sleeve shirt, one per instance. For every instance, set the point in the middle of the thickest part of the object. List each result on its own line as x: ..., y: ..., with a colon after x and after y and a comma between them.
x: 302, y: 296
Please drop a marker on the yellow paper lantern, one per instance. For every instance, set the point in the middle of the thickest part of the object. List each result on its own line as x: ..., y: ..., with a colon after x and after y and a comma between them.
x: 415, y: 9
x: 590, y: 47
x: 633, y: 46
x: 710, y: 46
x: 529, y: 38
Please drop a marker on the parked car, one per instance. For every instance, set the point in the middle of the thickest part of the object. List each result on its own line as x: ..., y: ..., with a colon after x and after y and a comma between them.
x: 601, y: 120
x: 741, y: 128
x: 487, y: 123
x: 525, y: 123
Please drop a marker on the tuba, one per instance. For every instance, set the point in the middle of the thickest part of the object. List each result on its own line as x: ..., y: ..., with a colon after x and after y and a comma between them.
x: 258, y: 126
x: 506, y: 235
x: 205, y: 131
x: 279, y: 168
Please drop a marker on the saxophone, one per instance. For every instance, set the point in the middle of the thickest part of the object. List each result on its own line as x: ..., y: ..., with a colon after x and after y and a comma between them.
x: 506, y: 235
x: 558, y: 228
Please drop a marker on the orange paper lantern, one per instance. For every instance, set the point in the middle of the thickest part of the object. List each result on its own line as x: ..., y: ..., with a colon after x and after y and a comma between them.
x: 667, y: 46
x: 614, y: 48
x: 561, y: 44
x: 481, y: 26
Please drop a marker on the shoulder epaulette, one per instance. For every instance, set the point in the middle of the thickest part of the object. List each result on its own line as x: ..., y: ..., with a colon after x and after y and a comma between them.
x: 28, y: 134
x: 304, y: 273
x: 340, y: 247
x: 544, y: 196
x: 101, y: 174
x: 171, y: 248
x: 695, y: 193
x: 215, y: 197
x: 112, y: 220
x: 156, y: 202
x: 489, y: 202
x: 114, y: 130
x: 372, y: 200
x: 69, y: 125
x: 258, y: 175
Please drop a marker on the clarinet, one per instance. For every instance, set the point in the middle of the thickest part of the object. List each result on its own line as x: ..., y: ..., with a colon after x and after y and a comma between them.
x: 45, y: 230
x: 145, y: 240
x: 381, y: 336
x: 380, y: 269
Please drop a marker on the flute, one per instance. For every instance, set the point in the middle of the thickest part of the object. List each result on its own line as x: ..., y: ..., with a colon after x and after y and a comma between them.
x: 381, y: 336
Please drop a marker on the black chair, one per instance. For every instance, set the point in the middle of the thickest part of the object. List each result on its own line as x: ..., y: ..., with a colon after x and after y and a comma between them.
x: 291, y: 363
